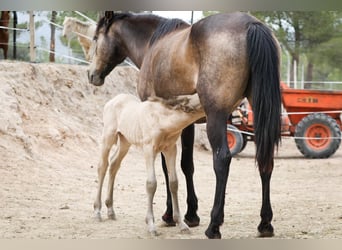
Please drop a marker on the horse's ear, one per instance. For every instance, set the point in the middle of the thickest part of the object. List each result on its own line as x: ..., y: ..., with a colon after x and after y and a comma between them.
x: 109, y: 15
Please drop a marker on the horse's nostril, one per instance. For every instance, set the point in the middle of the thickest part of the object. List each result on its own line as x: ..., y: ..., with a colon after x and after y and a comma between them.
x: 90, y: 76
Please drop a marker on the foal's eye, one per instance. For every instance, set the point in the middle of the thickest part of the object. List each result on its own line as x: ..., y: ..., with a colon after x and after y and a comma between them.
x: 95, y: 38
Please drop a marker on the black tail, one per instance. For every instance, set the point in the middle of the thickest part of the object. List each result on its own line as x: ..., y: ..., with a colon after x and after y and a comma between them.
x: 264, y: 60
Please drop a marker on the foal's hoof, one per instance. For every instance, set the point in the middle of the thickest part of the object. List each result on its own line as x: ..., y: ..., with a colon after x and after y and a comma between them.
x: 97, y: 216
x: 169, y: 222
x: 265, y: 230
x: 154, y: 233
x: 192, y: 221
x: 185, y: 230
x: 213, y: 233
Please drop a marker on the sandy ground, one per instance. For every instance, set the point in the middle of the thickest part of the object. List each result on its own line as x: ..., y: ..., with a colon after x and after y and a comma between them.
x: 50, y: 123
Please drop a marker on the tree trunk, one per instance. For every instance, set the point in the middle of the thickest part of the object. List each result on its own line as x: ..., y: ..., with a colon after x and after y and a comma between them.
x: 309, y: 77
x: 52, y: 39
x: 294, y: 57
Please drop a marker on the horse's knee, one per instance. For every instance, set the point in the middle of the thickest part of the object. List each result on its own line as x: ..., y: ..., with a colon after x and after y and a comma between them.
x: 173, y: 186
x: 151, y: 186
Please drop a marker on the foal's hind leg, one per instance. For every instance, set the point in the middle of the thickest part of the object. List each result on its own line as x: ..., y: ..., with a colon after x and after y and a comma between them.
x: 151, y: 186
x: 170, y: 157
x: 191, y: 218
x: 115, y: 163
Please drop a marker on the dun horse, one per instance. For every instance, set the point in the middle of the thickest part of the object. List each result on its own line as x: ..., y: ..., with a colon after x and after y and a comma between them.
x: 223, y: 58
x: 84, y: 31
x: 154, y: 125
x: 4, y: 34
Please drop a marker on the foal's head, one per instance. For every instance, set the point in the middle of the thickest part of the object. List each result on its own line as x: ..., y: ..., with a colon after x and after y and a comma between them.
x: 67, y: 27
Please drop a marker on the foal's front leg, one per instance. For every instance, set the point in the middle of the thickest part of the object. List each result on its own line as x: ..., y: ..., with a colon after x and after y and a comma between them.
x: 107, y: 143
x: 115, y: 163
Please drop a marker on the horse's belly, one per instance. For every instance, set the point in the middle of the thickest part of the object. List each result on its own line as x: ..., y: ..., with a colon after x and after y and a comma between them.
x: 179, y: 80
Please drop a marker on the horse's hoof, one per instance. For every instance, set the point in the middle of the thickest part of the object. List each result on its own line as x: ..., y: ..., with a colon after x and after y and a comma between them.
x: 265, y: 230
x: 192, y: 221
x: 213, y: 234
x: 111, y: 216
x: 169, y: 222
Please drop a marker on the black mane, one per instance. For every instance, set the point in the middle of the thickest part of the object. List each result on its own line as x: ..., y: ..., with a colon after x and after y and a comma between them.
x: 167, y: 26
x: 108, y: 22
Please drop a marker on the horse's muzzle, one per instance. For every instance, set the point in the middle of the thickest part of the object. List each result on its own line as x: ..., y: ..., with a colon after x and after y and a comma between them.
x: 95, y: 79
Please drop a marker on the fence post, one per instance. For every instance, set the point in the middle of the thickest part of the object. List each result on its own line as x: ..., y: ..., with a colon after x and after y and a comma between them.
x: 15, y: 22
x: 32, y: 38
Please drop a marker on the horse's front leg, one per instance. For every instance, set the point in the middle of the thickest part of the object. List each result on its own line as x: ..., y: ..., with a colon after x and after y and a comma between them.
x: 265, y: 227
x: 187, y: 165
x: 216, y: 130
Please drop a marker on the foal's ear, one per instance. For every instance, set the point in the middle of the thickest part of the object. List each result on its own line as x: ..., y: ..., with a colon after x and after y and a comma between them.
x: 109, y: 15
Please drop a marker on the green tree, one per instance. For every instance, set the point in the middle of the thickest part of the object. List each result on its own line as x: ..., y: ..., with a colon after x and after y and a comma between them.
x: 303, y: 34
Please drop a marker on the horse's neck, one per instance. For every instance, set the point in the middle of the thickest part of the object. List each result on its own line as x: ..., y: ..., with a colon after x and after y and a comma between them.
x: 81, y: 28
x: 137, y: 38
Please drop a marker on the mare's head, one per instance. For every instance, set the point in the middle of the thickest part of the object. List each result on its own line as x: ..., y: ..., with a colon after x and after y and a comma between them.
x: 107, y: 49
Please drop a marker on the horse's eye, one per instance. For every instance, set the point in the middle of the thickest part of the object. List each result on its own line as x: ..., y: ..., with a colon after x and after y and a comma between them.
x: 95, y: 38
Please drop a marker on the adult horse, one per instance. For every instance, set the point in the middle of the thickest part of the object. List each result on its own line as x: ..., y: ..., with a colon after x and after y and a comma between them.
x: 4, y: 34
x: 84, y: 31
x: 223, y: 58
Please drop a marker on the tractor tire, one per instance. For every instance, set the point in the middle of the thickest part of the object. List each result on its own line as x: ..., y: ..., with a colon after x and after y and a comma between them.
x: 320, y: 126
x: 234, y: 139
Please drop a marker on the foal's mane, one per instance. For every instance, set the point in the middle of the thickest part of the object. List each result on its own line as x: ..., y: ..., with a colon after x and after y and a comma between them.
x: 185, y: 103
x: 167, y: 26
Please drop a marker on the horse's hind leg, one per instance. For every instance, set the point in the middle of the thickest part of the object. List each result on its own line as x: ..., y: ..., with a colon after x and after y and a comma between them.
x: 265, y: 227
x: 115, y: 162
x: 170, y: 158
x: 216, y: 130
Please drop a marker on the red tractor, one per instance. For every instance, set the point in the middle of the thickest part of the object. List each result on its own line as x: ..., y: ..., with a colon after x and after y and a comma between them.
x: 312, y: 117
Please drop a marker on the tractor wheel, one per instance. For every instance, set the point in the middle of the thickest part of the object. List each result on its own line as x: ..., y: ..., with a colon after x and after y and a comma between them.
x: 324, y: 136
x: 235, y: 139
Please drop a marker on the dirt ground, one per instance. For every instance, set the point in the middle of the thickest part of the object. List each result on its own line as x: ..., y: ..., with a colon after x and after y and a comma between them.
x: 50, y: 123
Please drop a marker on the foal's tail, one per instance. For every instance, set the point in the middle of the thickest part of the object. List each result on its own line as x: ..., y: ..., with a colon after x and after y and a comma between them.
x: 264, y: 60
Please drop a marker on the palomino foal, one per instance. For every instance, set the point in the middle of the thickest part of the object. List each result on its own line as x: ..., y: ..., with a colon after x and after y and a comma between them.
x: 154, y: 125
